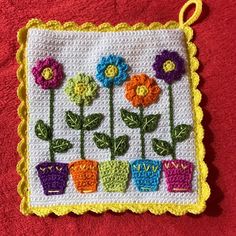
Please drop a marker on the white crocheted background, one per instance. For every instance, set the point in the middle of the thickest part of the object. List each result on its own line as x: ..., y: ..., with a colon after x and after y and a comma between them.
x: 80, y: 52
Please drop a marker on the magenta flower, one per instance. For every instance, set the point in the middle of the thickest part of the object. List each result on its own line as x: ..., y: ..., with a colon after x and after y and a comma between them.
x: 169, y: 66
x: 48, y: 73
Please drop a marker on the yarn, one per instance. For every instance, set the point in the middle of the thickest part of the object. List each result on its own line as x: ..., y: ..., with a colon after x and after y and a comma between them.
x: 178, y: 175
x: 53, y: 177
x: 158, y: 199
x: 85, y: 175
x: 146, y: 174
x: 114, y: 175
x: 141, y: 90
x: 48, y: 73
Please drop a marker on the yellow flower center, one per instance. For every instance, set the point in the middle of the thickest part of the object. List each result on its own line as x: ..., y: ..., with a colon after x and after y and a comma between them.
x: 111, y: 71
x: 47, y: 73
x: 80, y: 88
x: 168, y: 66
x: 142, y: 90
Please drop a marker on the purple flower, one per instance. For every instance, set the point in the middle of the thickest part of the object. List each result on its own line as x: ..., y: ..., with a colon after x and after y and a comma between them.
x: 169, y: 66
x: 48, y: 73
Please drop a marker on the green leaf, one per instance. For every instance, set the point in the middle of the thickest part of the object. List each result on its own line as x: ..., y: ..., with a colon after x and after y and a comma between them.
x: 60, y: 145
x: 93, y: 121
x: 150, y: 123
x: 181, y: 132
x: 42, y: 130
x: 102, y: 140
x: 73, y: 120
x: 121, y: 145
x: 161, y: 147
x: 131, y: 119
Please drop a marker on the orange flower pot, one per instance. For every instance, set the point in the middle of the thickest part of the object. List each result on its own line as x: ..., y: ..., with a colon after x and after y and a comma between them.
x: 85, y: 175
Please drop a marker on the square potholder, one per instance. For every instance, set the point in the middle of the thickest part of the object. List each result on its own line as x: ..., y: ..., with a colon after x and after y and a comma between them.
x: 110, y: 118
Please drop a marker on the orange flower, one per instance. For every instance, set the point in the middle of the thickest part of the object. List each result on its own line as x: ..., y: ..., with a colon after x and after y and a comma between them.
x: 141, y: 90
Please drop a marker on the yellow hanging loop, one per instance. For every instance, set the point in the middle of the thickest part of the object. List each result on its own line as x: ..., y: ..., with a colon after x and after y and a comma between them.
x: 194, y: 17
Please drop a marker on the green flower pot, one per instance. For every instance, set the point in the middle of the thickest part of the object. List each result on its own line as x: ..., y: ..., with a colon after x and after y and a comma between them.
x: 114, y: 175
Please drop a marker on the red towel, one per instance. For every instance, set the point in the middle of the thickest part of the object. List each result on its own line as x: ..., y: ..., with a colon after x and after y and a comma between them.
x: 215, y: 38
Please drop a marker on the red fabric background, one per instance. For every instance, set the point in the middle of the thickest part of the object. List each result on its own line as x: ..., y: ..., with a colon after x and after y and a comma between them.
x: 215, y: 31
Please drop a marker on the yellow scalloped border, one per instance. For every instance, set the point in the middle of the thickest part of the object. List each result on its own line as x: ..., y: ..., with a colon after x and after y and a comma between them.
x: 22, y: 167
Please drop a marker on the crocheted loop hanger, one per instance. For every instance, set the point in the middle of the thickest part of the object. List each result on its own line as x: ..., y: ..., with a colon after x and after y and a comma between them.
x: 194, y: 17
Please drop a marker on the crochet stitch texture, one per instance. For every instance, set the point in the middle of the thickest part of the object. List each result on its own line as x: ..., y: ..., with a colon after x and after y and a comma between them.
x: 48, y: 73
x: 112, y: 70
x: 42, y: 202
x: 173, y: 40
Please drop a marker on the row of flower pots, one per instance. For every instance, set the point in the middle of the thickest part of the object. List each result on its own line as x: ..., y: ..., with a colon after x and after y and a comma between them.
x: 146, y: 175
x: 141, y: 91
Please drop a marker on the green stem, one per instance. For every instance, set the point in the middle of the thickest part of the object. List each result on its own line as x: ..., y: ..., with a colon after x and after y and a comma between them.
x: 142, y: 138
x: 171, y: 111
x: 82, y: 155
x: 111, y: 107
x: 51, y: 112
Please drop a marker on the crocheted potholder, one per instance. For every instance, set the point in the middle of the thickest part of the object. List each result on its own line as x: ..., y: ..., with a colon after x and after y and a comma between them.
x: 110, y: 118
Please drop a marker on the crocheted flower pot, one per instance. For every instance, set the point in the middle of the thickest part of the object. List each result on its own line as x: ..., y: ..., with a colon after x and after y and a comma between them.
x: 114, y: 175
x: 146, y: 174
x: 178, y: 174
x: 84, y: 174
x: 53, y: 177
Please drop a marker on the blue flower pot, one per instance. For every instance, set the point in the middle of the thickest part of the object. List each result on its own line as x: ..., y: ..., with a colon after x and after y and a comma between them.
x: 146, y: 174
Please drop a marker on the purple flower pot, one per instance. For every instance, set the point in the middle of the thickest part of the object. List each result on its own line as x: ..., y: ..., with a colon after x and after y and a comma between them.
x: 53, y: 177
x: 178, y: 174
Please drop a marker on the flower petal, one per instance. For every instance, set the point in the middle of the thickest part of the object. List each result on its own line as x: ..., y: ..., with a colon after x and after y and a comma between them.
x: 112, y: 60
x: 89, y: 89
x: 57, y: 77
x: 171, y: 76
x: 142, y: 100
